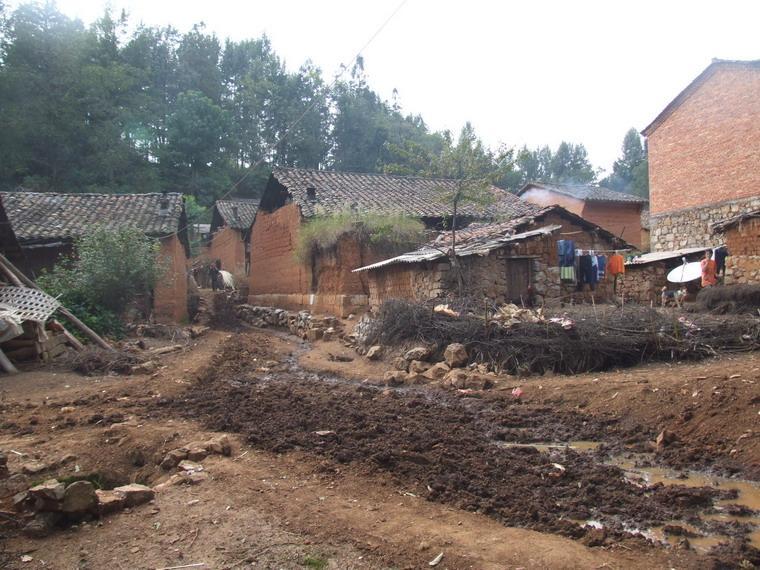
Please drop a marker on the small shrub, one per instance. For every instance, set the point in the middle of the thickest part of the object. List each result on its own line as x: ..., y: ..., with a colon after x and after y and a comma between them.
x: 392, y: 232
x: 110, y: 270
x: 315, y: 562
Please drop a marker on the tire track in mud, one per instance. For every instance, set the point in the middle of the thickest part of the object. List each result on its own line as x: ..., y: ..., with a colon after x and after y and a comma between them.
x: 442, y: 446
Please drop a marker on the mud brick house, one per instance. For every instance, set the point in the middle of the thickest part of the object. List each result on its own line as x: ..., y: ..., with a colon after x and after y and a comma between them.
x: 741, y: 234
x: 646, y: 275
x: 231, y: 222
x: 704, y: 157
x: 9, y: 245
x: 293, y: 197
x: 512, y: 261
x: 47, y: 225
x: 616, y: 212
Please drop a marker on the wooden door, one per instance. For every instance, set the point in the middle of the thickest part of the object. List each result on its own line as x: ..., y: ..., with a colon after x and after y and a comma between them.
x: 518, y: 281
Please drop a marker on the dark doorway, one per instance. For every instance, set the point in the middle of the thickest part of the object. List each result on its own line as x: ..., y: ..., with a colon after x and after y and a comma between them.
x: 518, y: 281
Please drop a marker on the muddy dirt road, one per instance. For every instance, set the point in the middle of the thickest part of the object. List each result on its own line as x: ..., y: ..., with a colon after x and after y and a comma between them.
x: 332, y: 472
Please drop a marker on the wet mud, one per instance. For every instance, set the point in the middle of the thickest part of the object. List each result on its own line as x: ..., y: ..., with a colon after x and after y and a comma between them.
x: 449, y: 448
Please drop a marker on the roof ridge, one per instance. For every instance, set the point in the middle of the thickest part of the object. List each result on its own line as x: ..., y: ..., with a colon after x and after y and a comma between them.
x: 22, y: 191
x: 351, y: 173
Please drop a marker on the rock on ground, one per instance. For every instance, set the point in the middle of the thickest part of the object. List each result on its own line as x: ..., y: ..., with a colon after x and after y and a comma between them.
x: 437, y: 371
x: 374, y: 352
x: 456, y: 355
x: 80, y: 497
x: 417, y: 353
x: 135, y: 494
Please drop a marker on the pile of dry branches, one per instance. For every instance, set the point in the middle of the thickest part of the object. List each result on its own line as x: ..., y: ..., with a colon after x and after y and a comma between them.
x: 732, y: 299
x: 93, y: 360
x: 599, y: 339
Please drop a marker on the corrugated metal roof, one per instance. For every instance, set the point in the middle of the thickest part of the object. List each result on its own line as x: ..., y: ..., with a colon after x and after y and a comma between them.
x: 664, y: 255
x: 428, y: 253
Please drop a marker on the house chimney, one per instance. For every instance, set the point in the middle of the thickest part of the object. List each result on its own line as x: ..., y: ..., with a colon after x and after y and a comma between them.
x: 163, y: 204
x: 234, y: 212
x: 311, y: 193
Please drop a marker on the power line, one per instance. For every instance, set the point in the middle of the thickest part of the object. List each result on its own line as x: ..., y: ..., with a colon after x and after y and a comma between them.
x: 295, y: 123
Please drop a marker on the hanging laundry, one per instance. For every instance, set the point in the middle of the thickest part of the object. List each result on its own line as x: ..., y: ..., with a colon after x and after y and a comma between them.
x: 601, y: 265
x: 615, y: 264
x: 567, y: 273
x: 586, y: 272
x: 566, y: 252
x: 720, y: 256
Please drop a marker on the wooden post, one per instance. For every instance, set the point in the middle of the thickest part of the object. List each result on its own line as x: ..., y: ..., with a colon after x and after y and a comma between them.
x: 10, y: 268
x: 6, y: 364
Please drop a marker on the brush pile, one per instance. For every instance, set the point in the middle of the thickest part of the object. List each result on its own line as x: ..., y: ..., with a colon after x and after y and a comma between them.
x: 731, y: 299
x: 571, y: 341
x: 93, y: 360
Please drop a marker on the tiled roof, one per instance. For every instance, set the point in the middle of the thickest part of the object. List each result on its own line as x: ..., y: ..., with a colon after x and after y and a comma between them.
x: 38, y: 217
x: 246, y: 211
x: 584, y: 192
x: 480, y: 231
x: 318, y: 192
x: 696, y: 84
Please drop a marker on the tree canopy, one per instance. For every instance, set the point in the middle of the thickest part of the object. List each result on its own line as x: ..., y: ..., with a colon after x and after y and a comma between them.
x: 101, y: 108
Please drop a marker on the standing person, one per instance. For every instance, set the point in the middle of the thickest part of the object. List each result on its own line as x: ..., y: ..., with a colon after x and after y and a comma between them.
x: 213, y: 273
x: 709, y: 270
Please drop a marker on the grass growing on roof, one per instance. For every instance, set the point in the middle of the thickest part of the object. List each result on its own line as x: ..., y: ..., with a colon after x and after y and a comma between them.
x: 391, y: 232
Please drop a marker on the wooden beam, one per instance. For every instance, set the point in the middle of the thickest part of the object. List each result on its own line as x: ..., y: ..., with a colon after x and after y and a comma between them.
x: 97, y: 339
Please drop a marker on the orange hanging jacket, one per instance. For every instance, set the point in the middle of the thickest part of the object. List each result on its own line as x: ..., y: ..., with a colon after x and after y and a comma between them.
x: 615, y: 264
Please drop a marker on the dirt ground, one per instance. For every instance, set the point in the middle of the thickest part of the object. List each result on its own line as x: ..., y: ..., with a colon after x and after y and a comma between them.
x: 394, y: 477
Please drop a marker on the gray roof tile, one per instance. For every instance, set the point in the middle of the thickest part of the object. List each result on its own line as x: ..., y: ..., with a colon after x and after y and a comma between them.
x: 246, y: 211
x: 415, y: 196
x: 38, y: 217
x: 585, y: 192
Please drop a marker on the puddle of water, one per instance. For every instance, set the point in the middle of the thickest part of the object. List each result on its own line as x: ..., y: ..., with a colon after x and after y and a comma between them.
x: 547, y: 447
x: 701, y: 543
x: 748, y: 496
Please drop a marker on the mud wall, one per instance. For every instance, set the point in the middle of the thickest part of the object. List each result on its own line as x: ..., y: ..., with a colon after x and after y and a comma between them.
x: 227, y: 244
x: 743, y: 263
x: 621, y: 219
x: 325, y: 284
x: 171, y: 293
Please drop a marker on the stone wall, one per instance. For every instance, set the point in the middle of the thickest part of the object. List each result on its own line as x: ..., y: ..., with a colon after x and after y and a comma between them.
x: 643, y: 283
x: 486, y: 275
x: 691, y: 227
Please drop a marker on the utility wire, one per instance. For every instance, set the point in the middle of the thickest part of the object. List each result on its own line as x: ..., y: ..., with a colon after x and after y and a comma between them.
x: 295, y: 123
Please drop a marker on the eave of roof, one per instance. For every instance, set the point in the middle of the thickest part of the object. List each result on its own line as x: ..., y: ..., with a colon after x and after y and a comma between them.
x: 696, y: 83
x: 723, y: 225
x: 428, y: 253
x: 585, y: 192
x: 656, y: 256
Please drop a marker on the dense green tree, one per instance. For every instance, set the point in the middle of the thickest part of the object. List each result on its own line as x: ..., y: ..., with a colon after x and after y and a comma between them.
x: 630, y: 172
x: 100, y: 108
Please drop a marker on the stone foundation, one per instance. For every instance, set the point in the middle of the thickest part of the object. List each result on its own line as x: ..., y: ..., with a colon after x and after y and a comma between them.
x: 691, y: 227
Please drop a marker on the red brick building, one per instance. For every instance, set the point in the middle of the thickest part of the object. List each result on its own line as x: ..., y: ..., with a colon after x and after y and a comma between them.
x: 326, y: 283
x: 616, y: 212
x: 47, y: 225
x: 704, y: 155
x: 231, y: 222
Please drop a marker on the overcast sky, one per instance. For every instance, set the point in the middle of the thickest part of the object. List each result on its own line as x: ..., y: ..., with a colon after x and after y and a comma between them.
x: 525, y: 72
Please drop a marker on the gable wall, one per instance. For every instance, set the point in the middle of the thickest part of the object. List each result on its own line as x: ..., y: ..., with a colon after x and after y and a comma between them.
x: 706, y: 151
x: 621, y: 219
